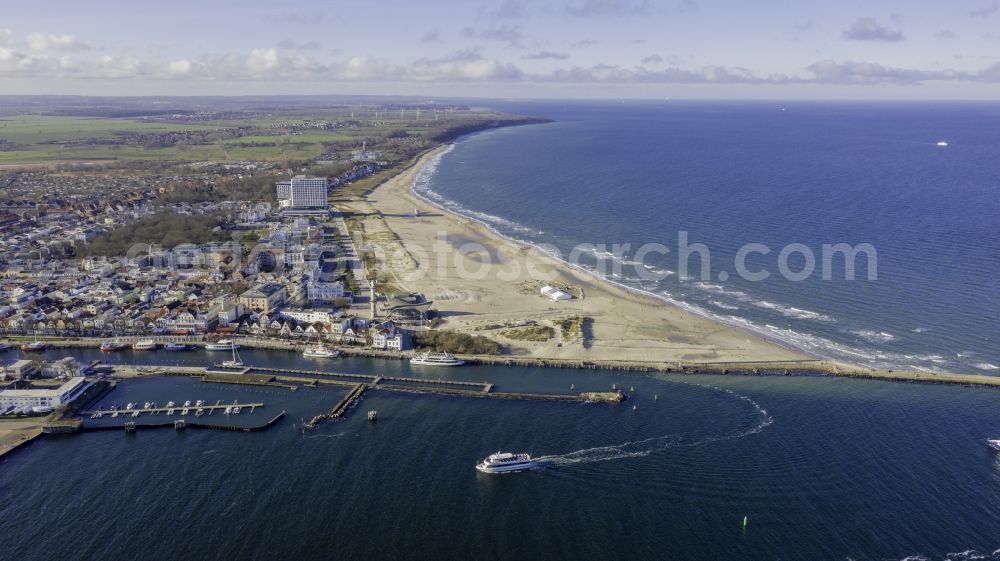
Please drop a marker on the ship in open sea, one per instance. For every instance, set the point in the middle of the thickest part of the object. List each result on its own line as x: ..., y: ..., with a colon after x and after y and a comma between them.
x: 506, y: 462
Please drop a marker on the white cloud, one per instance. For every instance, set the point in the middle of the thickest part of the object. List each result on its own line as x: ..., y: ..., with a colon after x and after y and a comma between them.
x: 869, y: 73
x: 52, y: 56
x: 262, y: 60
x: 51, y: 42
x: 463, y: 66
x: 180, y: 67
x: 365, y: 68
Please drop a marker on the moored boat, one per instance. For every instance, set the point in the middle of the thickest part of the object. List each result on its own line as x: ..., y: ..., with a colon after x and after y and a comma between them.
x: 436, y: 359
x: 176, y: 347
x: 993, y: 443
x: 33, y: 347
x: 506, y: 462
x: 144, y: 345
x: 236, y: 361
x: 319, y: 351
x: 112, y: 346
x: 221, y: 345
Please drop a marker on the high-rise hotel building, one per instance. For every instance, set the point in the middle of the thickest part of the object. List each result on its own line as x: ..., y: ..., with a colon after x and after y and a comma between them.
x: 303, y: 193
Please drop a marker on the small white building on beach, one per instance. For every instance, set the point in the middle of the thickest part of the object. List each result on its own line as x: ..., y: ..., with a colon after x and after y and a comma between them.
x: 555, y: 294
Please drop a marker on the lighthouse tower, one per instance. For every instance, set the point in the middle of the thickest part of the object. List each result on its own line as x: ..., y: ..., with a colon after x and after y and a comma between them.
x: 371, y: 297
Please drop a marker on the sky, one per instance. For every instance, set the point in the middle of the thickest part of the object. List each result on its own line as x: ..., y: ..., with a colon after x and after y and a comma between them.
x: 505, y: 48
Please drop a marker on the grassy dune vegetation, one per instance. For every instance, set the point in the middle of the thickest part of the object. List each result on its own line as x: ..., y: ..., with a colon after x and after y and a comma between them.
x: 454, y: 342
x: 534, y: 333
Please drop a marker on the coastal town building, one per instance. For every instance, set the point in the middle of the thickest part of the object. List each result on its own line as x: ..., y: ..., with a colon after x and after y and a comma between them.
x: 20, y: 370
x: 41, y: 400
x: 264, y: 298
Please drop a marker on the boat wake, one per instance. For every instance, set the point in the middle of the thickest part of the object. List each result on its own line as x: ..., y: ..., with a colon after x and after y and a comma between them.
x: 645, y: 447
x: 968, y: 554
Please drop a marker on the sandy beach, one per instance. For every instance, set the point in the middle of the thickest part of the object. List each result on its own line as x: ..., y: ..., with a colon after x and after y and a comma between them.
x: 484, y: 284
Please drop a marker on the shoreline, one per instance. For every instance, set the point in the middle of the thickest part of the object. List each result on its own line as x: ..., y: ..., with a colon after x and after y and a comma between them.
x: 639, y: 292
x: 402, y: 186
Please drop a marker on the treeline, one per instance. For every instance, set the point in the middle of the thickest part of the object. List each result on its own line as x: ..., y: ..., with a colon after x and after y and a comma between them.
x: 167, y: 230
x: 455, y: 342
x: 447, y: 134
x: 248, y: 188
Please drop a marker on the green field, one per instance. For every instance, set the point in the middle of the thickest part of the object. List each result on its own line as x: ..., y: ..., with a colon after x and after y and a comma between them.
x: 41, y: 128
x: 45, y: 139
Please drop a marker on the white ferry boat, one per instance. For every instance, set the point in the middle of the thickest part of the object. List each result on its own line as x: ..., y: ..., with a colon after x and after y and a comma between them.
x: 144, y: 345
x: 319, y: 351
x: 994, y: 443
x: 436, y: 359
x: 942, y: 143
x: 221, y: 345
x: 504, y: 462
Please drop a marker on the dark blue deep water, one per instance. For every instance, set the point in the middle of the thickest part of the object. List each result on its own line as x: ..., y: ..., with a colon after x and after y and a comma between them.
x: 731, y: 174
x: 823, y: 468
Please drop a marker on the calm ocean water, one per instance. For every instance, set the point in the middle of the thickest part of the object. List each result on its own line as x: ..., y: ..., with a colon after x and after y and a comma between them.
x: 824, y: 469
x: 730, y: 174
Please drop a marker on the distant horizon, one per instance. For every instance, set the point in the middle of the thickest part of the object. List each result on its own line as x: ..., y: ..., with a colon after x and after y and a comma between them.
x: 509, y: 99
x: 890, y: 49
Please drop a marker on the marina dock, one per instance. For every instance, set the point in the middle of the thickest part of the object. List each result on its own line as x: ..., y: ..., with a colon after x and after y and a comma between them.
x: 181, y: 424
x: 182, y: 410
x: 293, y: 379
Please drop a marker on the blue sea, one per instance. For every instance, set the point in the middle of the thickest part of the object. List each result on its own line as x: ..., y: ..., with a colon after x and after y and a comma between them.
x: 728, y: 174
x: 823, y: 468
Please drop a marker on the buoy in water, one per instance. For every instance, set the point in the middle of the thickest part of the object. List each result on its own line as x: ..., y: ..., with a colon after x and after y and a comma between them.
x: 656, y: 397
x: 635, y: 407
x: 745, y: 521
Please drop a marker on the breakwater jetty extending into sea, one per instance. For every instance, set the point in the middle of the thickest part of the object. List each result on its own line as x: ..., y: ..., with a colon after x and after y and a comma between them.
x: 807, y: 367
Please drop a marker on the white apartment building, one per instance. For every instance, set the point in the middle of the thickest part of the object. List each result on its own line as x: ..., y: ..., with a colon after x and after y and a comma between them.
x: 302, y: 193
